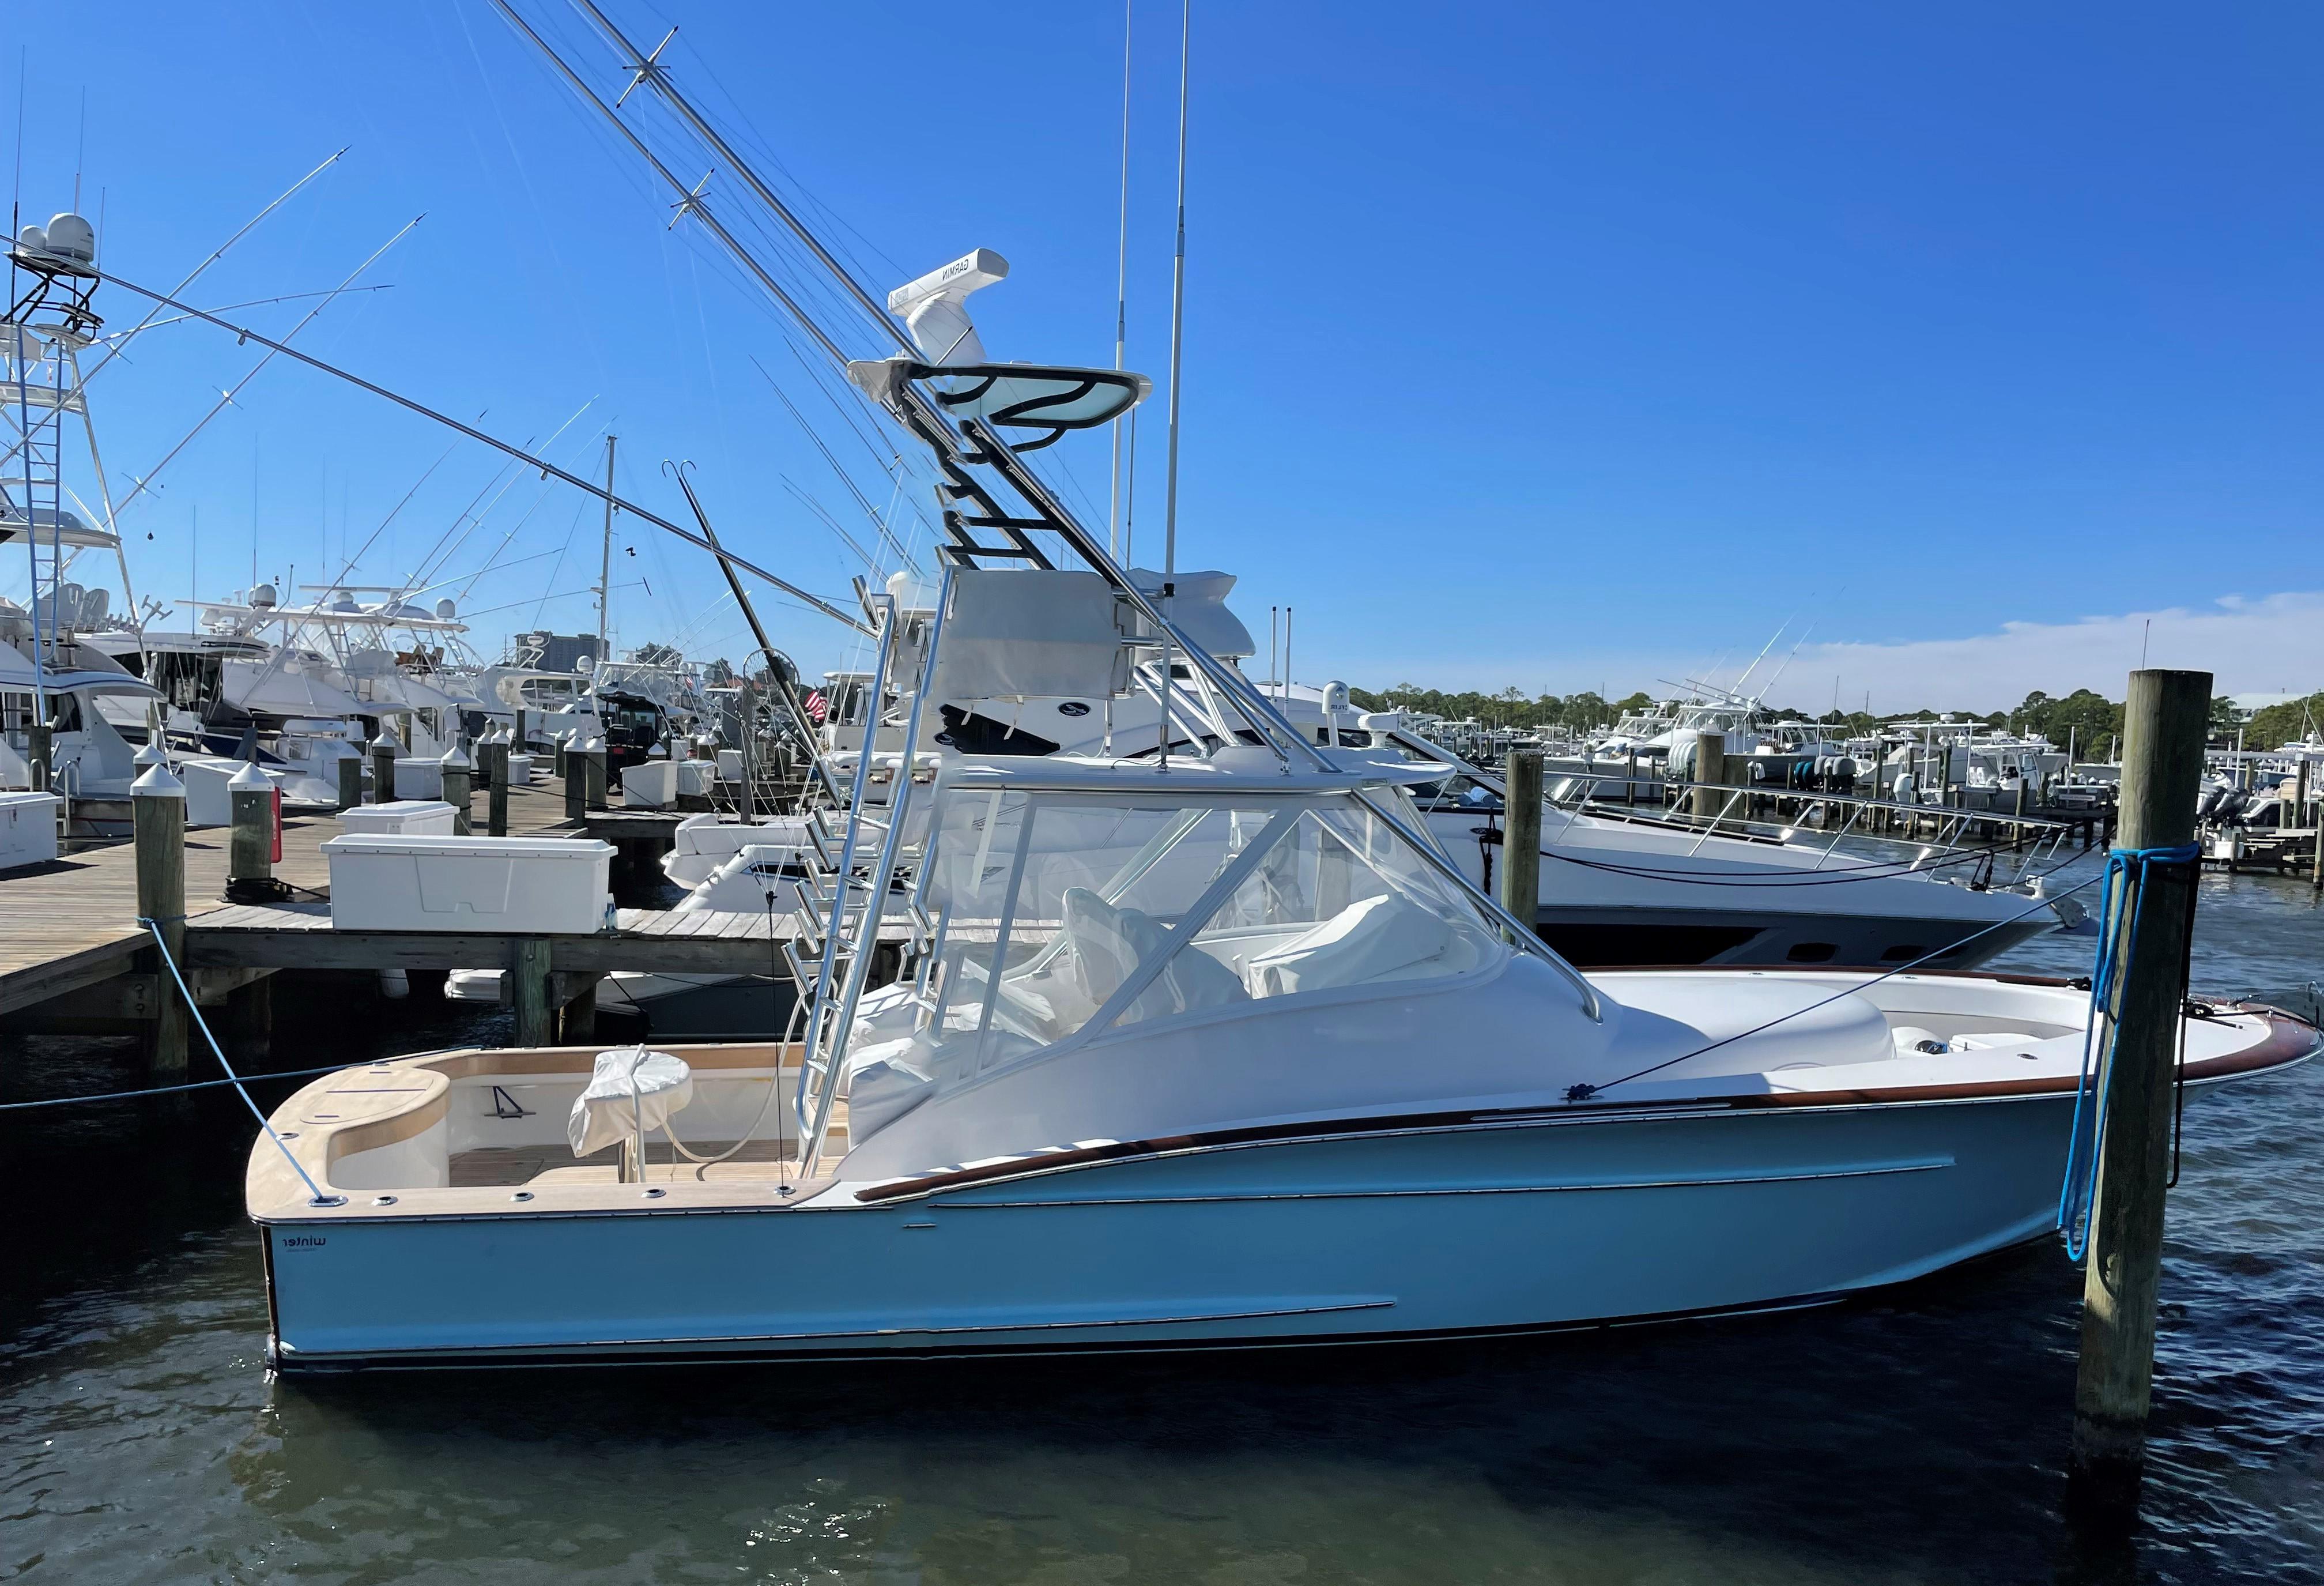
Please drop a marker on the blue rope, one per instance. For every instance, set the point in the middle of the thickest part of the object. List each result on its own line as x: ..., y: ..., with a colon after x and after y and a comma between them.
x: 194, y: 1011
x: 2078, y: 1192
x: 199, y: 1085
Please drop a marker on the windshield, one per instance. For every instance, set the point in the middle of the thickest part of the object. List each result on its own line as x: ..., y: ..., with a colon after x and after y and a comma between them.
x: 1058, y: 911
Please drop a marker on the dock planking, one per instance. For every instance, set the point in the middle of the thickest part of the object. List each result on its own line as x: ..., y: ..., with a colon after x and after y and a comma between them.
x: 72, y: 922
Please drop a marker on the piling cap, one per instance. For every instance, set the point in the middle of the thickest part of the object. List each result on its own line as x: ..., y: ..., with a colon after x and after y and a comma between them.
x: 150, y: 755
x: 388, y: 740
x: 456, y: 758
x: 249, y: 778
x: 158, y: 783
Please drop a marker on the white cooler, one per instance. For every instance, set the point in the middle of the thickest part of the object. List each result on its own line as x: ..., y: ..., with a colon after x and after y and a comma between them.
x: 651, y: 786
x: 400, y: 817
x: 418, y: 778
x: 28, y: 828
x: 550, y: 886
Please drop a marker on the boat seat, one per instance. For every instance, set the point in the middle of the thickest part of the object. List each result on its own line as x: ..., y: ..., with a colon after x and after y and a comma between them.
x: 1109, y: 943
x: 1362, y: 941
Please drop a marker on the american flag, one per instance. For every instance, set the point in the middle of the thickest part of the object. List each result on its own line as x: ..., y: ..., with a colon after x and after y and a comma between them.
x: 817, y: 706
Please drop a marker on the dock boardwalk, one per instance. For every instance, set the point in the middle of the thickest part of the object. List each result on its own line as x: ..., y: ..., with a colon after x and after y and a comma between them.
x: 72, y: 923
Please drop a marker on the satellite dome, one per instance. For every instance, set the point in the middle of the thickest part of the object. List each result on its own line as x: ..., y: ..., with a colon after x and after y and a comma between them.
x: 262, y: 596
x: 32, y: 240
x: 342, y: 600
x: 447, y: 609
x: 72, y: 238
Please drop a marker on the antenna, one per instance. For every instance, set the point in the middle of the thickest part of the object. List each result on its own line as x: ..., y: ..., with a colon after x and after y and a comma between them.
x: 1121, y: 285
x: 1177, y: 346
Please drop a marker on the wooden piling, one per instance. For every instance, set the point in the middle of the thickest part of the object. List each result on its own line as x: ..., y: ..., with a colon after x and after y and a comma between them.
x: 383, y: 770
x: 576, y: 784
x: 2164, y: 720
x: 350, y: 780
x: 157, y: 807
x: 39, y: 750
x: 530, y: 990
x: 1521, y: 835
x: 577, y: 1022
x: 250, y: 1017
x: 593, y: 774
x: 1709, y: 768
x: 456, y: 793
x: 250, y: 850
x: 496, y: 801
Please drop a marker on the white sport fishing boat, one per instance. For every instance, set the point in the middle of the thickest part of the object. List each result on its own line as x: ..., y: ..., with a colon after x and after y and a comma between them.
x: 1192, y: 1053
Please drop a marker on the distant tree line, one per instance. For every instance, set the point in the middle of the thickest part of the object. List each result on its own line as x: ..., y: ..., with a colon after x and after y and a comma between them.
x: 2090, y: 721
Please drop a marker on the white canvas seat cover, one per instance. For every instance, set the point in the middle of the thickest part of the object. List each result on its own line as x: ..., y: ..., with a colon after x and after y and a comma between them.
x: 628, y: 1090
x: 1363, y: 942
x: 1109, y: 943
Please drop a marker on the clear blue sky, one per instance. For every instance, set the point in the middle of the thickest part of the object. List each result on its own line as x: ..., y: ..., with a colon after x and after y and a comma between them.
x: 1551, y: 346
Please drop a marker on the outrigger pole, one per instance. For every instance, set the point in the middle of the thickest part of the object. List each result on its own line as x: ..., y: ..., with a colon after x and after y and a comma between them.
x: 548, y: 469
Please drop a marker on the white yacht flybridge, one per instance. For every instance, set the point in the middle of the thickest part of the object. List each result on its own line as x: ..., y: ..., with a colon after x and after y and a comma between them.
x: 1202, y: 1049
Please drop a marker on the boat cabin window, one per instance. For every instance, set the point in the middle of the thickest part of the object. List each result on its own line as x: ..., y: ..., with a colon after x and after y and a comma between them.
x: 1060, y: 912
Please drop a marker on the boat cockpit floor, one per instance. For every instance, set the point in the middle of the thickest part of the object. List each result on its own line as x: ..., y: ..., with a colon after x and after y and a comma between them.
x: 758, y: 1162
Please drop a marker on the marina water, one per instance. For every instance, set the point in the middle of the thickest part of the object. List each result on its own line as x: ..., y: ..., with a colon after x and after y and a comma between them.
x: 1918, y: 1436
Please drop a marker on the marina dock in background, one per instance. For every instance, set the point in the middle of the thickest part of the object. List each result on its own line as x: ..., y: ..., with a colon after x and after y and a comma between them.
x: 75, y: 959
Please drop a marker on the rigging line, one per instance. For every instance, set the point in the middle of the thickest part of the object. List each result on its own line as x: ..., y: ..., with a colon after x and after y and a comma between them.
x: 698, y: 209
x: 516, y: 528
x: 658, y: 78
x: 226, y: 399
x: 117, y: 346
x: 886, y: 535
x: 547, y: 468
x: 349, y: 564
x: 830, y: 522
x: 890, y: 464
x: 571, y: 529
x: 1582, y: 1092
x: 385, y: 286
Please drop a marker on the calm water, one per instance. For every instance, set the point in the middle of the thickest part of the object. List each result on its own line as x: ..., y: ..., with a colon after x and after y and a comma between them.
x: 1917, y: 1437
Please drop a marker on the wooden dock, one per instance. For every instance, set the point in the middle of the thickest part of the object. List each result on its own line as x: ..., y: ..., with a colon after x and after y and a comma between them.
x: 72, y: 923
x: 73, y: 956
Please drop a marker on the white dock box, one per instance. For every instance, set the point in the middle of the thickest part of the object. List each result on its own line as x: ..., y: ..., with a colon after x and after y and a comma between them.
x: 402, y: 818
x: 419, y: 777
x: 521, y: 770
x: 526, y: 885
x: 694, y: 778
x: 651, y: 786
x: 730, y: 765
x: 28, y: 829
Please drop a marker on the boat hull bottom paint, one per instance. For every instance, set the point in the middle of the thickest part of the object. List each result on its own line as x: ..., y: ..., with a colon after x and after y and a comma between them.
x: 1610, y: 939
x: 1559, y: 1221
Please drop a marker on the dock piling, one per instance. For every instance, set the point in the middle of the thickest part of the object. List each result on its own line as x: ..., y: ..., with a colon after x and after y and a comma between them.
x: 2164, y: 720
x: 593, y: 774
x: 496, y: 799
x: 382, y: 767
x: 1709, y: 769
x: 457, y: 792
x: 39, y: 752
x: 1521, y: 841
x: 350, y: 780
x: 157, y: 805
x: 530, y: 990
